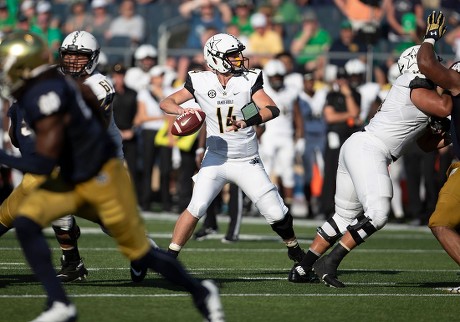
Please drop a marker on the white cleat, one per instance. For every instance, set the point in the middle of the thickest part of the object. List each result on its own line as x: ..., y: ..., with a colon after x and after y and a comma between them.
x: 454, y: 290
x: 58, y: 312
x: 212, y: 306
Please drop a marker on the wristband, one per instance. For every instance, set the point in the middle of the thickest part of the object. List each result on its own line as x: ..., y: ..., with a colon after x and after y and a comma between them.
x: 430, y: 41
x: 255, y: 120
x: 199, y: 151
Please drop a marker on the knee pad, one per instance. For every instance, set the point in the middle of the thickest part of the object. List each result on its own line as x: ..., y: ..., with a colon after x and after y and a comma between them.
x: 362, y: 229
x: 272, y: 206
x: 284, y: 227
x: 69, y: 233
x: 330, y: 231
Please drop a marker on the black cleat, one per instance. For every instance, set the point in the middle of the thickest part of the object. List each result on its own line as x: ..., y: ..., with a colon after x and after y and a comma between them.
x: 72, y: 271
x: 327, y: 272
x: 298, y: 274
x: 204, y: 232
x: 137, y: 272
x: 296, y: 253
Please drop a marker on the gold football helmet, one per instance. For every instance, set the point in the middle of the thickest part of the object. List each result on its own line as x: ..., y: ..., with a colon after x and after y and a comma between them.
x: 23, y: 56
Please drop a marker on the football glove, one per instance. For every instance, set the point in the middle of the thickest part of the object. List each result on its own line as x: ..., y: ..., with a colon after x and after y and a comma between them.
x: 439, y: 125
x: 435, y: 26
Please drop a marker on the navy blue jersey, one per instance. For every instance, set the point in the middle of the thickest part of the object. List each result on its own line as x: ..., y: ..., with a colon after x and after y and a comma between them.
x: 87, y: 145
x: 23, y: 135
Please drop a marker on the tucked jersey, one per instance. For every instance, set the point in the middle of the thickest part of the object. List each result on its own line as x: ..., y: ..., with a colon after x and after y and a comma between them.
x: 399, y: 122
x: 87, y: 145
x: 103, y: 89
x: 220, y: 103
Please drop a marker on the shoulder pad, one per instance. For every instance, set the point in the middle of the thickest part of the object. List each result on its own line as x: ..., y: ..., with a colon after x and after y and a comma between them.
x: 418, y: 82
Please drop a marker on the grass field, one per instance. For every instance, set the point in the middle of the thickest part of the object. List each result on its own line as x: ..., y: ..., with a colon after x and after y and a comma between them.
x: 400, y: 274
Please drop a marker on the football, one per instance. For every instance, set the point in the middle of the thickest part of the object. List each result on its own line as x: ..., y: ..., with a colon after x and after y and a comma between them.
x: 188, y: 123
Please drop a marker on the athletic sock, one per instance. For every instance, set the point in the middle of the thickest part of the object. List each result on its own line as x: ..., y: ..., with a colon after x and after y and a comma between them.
x: 309, y: 259
x: 337, y: 254
x: 38, y: 255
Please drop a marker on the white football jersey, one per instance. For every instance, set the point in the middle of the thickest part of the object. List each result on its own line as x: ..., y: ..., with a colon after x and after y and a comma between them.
x: 103, y: 88
x: 399, y: 122
x: 220, y: 104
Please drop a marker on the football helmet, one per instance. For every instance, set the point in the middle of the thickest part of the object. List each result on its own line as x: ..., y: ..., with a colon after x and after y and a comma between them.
x: 275, y: 70
x: 77, y: 44
x: 407, y: 62
x: 217, y: 50
x: 23, y: 56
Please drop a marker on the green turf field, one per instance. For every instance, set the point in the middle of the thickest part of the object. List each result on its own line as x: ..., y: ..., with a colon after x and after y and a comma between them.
x: 400, y: 274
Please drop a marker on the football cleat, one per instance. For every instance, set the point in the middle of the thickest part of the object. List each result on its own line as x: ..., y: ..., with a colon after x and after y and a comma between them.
x: 229, y: 240
x: 298, y: 274
x: 210, y: 306
x: 204, y: 232
x: 58, y: 312
x: 454, y: 290
x: 327, y: 272
x: 296, y: 253
x: 72, y: 271
x: 137, y: 272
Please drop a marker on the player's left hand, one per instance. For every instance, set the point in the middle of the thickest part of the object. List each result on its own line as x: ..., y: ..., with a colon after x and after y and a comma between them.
x: 436, y: 27
x: 235, y: 125
x: 299, y: 146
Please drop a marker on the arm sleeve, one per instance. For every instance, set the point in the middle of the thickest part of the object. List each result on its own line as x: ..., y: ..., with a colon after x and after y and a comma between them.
x: 33, y: 163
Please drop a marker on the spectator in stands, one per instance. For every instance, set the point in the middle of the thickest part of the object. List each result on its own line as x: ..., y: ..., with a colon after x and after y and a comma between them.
x: 452, y: 36
x: 203, y: 14
x: 22, y: 23
x: 311, y: 42
x: 242, y: 17
x: 285, y: 12
x: 101, y: 19
x: 48, y: 27
x: 405, y: 19
x: 127, y: 24
x: 124, y: 111
x: 138, y: 77
x: 263, y: 43
x: 345, y: 47
x: 28, y: 9
x: 78, y: 19
x: 361, y: 13
x: 7, y: 21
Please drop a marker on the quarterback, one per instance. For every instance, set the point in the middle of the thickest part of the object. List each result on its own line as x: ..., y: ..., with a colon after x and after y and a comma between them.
x: 412, y: 112
x: 233, y: 99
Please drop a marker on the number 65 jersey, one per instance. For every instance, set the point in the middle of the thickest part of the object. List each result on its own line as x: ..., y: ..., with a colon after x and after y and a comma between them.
x: 222, y: 104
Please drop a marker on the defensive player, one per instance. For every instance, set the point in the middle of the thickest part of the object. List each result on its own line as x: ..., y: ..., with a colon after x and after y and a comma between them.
x: 227, y: 95
x: 364, y: 188
x: 70, y: 134
x: 445, y: 220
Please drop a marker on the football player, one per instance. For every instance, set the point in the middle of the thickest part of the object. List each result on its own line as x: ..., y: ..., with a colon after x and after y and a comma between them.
x: 79, y: 57
x: 445, y: 220
x: 234, y: 100
x: 364, y: 188
x: 283, y: 138
x: 70, y: 134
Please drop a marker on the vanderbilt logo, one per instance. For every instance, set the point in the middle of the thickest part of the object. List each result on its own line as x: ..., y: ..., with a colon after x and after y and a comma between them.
x: 212, y: 93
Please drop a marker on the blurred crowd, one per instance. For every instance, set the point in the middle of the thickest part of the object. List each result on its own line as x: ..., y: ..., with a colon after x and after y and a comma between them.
x: 312, y: 51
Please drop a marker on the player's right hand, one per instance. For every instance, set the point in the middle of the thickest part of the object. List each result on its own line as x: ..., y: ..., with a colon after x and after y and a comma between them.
x: 435, y: 25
